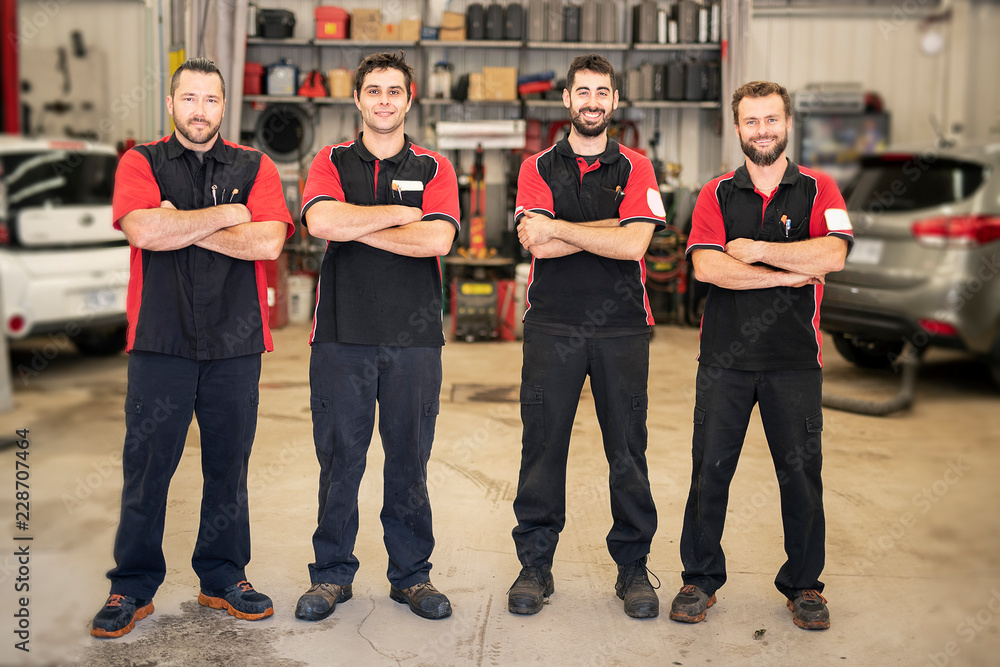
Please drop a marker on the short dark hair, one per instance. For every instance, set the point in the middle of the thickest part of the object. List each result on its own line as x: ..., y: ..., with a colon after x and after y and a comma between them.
x: 202, y: 65
x: 380, y: 61
x: 760, y: 89
x: 590, y: 63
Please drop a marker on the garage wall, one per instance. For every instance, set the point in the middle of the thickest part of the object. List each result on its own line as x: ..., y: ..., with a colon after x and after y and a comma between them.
x: 110, y: 94
x: 958, y: 86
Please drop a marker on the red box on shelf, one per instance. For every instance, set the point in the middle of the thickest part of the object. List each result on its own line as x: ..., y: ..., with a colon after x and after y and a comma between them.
x: 331, y: 23
x: 253, y: 77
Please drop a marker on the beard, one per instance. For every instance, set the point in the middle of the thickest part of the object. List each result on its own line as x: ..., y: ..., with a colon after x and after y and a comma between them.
x: 764, y: 158
x: 197, y: 136
x: 584, y: 128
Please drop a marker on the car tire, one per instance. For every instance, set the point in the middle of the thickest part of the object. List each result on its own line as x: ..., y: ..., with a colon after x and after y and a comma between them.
x: 100, y: 342
x: 866, y: 354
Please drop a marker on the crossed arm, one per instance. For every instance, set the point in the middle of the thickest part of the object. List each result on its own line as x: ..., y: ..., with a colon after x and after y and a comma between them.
x: 545, y: 237
x: 788, y: 264
x: 227, y: 229
x: 393, y: 228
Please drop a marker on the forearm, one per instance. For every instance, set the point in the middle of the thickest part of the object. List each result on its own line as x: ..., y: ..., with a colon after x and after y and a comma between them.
x: 711, y: 266
x: 816, y: 256
x: 166, y: 228
x: 628, y: 242
x: 339, y: 221
x: 552, y: 248
x: 261, y: 240
x: 424, y: 238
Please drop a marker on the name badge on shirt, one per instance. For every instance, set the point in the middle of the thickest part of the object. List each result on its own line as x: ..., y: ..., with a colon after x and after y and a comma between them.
x: 407, y: 186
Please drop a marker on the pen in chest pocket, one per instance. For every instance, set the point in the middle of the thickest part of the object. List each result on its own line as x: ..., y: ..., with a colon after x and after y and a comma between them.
x: 787, y: 224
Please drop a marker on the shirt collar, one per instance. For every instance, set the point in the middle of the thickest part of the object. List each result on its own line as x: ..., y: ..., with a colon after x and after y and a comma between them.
x: 219, y: 151
x: 612, y: 152
x: 367, y: 155
x: 742, y: 176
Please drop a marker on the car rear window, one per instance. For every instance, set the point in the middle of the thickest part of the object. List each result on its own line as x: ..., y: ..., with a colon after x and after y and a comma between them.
x: 56, y: 178
x: 911, y: 182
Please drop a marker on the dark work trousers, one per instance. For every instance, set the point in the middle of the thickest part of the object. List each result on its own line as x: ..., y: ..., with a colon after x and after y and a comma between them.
x: 790, y: 404
x: 552, y: 376
x: 346, y: 380
x: 163, y: 392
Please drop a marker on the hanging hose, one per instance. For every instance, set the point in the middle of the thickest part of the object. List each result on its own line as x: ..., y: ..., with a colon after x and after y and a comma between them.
x: 901, y: 401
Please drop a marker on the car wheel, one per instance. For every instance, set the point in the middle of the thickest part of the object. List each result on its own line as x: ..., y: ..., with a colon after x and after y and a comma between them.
x: 866, y: 354
x: 101, y: 342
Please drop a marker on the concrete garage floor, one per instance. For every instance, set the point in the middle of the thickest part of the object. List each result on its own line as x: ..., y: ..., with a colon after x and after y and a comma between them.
x: 913, y: 565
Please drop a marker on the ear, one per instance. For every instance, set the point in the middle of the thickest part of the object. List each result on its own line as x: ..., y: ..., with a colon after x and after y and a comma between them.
x: 614, y: 102
x: 170, y: 104
x: 357, y: 102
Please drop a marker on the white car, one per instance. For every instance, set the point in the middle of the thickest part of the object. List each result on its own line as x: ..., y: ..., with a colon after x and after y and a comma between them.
x: 63, y: 267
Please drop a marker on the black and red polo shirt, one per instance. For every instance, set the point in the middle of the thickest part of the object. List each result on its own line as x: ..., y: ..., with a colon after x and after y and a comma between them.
x: 192, y: 302
x: 366, y: 295
x: 776, y: 328
x: 583, y: 293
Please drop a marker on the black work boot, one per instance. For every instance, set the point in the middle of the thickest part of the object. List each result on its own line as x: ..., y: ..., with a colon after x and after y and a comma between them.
x: 239, y: 600
x: 425, y: 601
x: 689, y: 604
x: 533, y: 587
x: 634, y: 588
x: 809, y: 610
x: 320, y: 600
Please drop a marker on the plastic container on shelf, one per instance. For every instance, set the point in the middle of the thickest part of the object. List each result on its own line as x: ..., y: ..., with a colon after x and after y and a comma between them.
x: 332, y: 23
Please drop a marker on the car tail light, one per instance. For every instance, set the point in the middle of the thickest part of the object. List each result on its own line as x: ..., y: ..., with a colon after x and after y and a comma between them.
x: 15, y: 324
x: 937, y: 328
x: 957, y: 230
x: 4, y: 234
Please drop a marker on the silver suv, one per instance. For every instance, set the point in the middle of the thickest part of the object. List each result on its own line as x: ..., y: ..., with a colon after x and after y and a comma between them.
x: 926, y: 259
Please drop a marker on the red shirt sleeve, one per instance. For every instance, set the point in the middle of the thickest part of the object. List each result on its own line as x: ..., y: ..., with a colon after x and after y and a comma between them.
x: 267, y: 199
x: 323, y: 182
x: 829, y: 212
x: 708, y: 230
x: 440, y: 200
x: 135, y: 186
x: 641, y: 200
x: 533, y: 193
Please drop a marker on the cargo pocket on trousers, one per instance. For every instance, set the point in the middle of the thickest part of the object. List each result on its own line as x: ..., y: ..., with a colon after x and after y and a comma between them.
x: 699, y: 415
x: 432, y: 408
x: 318, y: 403
x: 532, y: 413
x: 814, y: 424
x: 133, y: 405
x: 637, y: 419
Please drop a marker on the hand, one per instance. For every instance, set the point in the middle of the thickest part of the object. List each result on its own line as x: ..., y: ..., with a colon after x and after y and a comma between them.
x: 745, y: 250
x: 408, y: 214
x: 802, y: 280
x: 535, y: 229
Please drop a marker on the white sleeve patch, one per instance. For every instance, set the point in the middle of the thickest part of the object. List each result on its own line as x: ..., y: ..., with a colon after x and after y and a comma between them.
x: 655, y: 202
x: 837, y: 220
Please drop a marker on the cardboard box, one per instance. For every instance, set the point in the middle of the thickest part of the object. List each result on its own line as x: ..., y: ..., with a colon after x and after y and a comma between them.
x: 366, y: 24
x: 341, y: 83
x: 476, y: 87
x: 388, y: 32
x: 409, y: 30
x: 452, y: 27
x: 499, y: 83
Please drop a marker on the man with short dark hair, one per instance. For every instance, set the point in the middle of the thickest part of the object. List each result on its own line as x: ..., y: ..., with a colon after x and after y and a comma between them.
x: 201, y: 215
x: 764, y: 237
x: 387, y: 209
x: 586, y: 210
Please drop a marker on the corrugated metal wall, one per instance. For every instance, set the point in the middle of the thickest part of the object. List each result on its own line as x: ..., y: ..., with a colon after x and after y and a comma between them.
x: 958, y: 86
